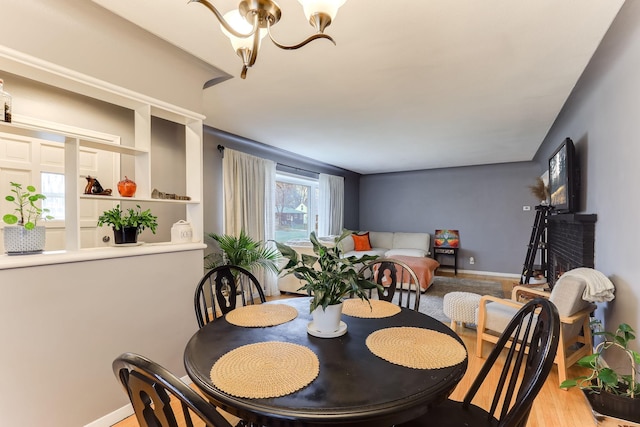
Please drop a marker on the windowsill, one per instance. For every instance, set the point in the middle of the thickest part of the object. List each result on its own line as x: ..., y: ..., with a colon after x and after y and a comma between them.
x: 93, y: 254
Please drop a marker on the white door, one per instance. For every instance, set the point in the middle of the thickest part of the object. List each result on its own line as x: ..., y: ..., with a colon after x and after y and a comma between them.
x: 31, y: 161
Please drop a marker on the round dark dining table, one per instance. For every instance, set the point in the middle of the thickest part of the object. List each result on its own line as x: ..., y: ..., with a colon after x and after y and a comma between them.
x: 354, y: 386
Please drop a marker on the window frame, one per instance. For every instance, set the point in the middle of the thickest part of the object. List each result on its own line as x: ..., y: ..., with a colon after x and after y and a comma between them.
x: 313, y: 198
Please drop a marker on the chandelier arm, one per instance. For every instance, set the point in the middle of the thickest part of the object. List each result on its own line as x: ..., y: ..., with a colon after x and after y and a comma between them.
x: 301, y: 44
x: 256, y: 46
x: 224, y: 23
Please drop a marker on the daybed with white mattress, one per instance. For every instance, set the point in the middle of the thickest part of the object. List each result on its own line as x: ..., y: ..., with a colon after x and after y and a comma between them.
x: 412, y: 248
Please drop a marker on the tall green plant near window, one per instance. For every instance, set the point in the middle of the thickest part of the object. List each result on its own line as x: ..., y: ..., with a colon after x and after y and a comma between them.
x: 242, y: 251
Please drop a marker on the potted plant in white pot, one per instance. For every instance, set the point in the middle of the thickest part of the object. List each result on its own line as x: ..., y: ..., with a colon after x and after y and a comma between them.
x: 611, y: 393
x: 128, y: 224
x: 22, y: 235
x: 328, y: 278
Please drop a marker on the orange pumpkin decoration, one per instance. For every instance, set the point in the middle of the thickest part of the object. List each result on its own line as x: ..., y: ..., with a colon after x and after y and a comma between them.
x: 127, y: 188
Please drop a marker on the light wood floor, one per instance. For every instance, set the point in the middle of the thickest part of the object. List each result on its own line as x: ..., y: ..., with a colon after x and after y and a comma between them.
x: 553, y: 407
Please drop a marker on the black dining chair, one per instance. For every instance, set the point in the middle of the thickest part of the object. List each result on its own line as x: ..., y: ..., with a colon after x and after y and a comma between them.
x: 151, y: 388
x: 218, y: 292
x: 522, y: 368
x: 388, y: 272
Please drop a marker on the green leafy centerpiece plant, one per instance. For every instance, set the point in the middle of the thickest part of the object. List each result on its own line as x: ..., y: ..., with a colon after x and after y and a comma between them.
x: 22, y: 235
x: 128, y: 224
x: 609, y: 392
x: 328, y: 278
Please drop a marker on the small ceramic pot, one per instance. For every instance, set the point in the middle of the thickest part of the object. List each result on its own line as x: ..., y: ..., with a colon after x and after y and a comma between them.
x: 18, y: 240
x: 181, y: 232
x: 328, y: 320
x: 125, y: 235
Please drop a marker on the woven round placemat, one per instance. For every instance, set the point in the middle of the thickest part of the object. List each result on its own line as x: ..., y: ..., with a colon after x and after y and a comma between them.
x: 265, y: 369
x: 357, y: 307
x: 261, y: 315
x: 416, y: 348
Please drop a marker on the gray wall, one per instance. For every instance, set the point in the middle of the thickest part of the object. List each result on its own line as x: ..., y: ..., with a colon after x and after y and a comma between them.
x: 63, y: 324
x: 84, y: 37
x: 84, y: 314
x: 483, y: 202
x: 601, y: 116
x: 212, y: 186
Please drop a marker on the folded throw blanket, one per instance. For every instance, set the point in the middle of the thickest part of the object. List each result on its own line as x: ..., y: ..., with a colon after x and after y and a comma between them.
x: 599, y: 288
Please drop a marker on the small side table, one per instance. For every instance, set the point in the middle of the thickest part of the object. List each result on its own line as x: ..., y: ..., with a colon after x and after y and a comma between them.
x: 447, y: 252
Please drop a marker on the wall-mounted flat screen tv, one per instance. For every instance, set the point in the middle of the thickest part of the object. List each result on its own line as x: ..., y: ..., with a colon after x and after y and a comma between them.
x: 563, y: 178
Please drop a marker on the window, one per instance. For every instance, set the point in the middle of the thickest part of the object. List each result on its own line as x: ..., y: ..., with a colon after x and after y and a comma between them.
x: 296, y: 206
x: 52, y: 185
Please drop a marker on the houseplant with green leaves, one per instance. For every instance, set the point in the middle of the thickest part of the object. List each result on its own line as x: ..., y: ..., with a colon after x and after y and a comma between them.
x: 328, y: 277
x: 22, y: 233
x: 610, y: 392
x: 242, y: 251
x: 127, y: 224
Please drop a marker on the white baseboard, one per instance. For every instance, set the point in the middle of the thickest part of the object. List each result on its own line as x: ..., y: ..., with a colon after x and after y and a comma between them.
x: 113, y: 417
x: 483, y: 273
x: 121, y: 413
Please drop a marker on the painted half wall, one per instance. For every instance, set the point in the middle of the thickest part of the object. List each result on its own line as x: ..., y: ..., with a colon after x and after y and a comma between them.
x: 601, y: 116
x: 485, y: 203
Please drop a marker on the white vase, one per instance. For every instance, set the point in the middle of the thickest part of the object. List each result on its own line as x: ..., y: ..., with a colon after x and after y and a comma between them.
x: 328, y: 320
x: 19, y: 240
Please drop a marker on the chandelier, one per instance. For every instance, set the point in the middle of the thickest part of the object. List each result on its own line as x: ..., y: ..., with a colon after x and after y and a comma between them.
x: 252, y: 21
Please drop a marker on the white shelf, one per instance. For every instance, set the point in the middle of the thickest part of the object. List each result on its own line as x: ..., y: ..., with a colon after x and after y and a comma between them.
x: 114, y: 148
x: 64, y: 257
x: 143, y: 108
x: 138, y: 199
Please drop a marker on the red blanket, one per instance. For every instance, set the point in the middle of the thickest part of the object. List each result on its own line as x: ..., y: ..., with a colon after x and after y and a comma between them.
x: 423, y: 267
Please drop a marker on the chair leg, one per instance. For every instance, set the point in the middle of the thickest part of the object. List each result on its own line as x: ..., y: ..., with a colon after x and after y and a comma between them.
x: 479, y: 344
x: 561, y: 359
x: 480, y: 327
x: 562, y: 371
x: 453, y: 325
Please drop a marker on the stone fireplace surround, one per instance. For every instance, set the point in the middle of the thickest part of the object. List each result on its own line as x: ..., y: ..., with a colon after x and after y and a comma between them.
x: 570, y: 243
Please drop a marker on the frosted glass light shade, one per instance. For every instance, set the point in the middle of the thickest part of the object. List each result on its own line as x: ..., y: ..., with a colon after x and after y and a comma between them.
x: 238, y: 23
x: 330, y: 7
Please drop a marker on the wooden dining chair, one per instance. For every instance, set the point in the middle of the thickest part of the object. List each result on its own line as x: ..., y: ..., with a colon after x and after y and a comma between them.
x: 399, y: 282
x: 221, y: 289
x: 517, y: 374
x: 151, y: 388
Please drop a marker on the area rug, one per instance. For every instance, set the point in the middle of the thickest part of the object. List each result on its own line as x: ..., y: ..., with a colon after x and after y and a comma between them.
x: 431, y: 300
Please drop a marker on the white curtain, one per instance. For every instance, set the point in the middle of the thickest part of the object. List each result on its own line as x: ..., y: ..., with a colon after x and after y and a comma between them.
x: 331, y: 205
x: 249, y: 191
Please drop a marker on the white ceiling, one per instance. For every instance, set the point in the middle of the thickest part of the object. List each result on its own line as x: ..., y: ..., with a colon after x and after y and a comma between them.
x: 410, y: 85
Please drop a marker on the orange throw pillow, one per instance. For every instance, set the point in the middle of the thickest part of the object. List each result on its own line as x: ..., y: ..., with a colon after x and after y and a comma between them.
x: 361, y: 242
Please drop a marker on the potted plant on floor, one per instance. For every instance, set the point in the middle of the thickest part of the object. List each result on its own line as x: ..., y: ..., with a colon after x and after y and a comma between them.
x: 128, y: 224
x: 243, y: 251
x: 328, y: 278
x: 22, y: 235
x: 609, y: 392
